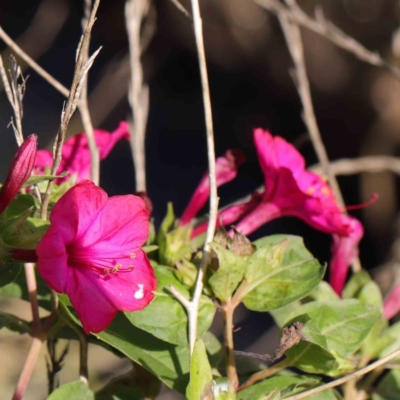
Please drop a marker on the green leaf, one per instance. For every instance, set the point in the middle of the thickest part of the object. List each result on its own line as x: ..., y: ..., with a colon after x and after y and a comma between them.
x: 14, y: 323
x: 9, y: 272
x: 72, y: 390
x: 371, y: 294
x: 344, y: 324
x: 214, y: 348
x: 17, y: 289
x: 35, y: 179
x: 20, y: 204
x: 165, y: 317
x: 355, y: 284
x: 377, y: 339
x: 229, y: 274
x: 170, y: 363
x: 323, y: 292
x: 280, y: 315
x: 290, y: 384
x: 200, y: 386
x: 280, y: 272
x: 389, y: 386
x: 392, y: 335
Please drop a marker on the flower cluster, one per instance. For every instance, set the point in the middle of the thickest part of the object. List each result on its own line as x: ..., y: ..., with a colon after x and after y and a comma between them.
x: 291, y: 190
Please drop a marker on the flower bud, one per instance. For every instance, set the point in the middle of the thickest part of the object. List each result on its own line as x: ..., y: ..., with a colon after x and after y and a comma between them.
x: 20, y: 170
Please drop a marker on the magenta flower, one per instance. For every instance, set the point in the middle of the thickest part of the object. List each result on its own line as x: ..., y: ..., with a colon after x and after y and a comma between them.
x: 20, y: 170
x: 76, y: 154
x: 91, y: 252
x: 290, y: 190
x: 226, y: 170
x: 391, y: 305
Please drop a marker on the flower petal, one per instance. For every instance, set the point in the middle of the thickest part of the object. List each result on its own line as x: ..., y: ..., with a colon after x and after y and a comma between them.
x: 391, y: 306
x: 77, y: 209
x: 226, y: 169
x: 130, y: 290
x: 52, y: 259
x: 121, y: 227
x: 344, y: 250
x: 93, y: 308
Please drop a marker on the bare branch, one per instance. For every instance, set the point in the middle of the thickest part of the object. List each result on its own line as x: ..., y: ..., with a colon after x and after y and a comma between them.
x: 328, y: 30
x: 33, y: 64
x: 362, y: 164
x: 81, y: 69
x: 84, y: 108
x: 193, y: 314
x: 182, y: 9
x: 135, y: 12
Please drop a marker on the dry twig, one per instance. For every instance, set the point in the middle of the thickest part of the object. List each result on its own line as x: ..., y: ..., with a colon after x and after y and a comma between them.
x: 135, y: 13
x: 193, y: 305
x: 81, y: 69
x: 329, y: 31
x: 84, y: 106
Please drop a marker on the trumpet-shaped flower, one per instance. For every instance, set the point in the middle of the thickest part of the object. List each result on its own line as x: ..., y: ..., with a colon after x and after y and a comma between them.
x: 20, y: 170
x: 226, y: 169
x: 290, y: 190
x: 76, y: 153
x: 91, y: 252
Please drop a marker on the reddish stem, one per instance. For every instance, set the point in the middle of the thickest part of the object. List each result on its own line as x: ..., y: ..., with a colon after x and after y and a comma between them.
x: 25, y: 255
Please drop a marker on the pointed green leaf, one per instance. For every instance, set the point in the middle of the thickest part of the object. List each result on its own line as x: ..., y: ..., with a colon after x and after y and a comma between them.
x: 388, y: 387
x: 229, y: 274
x: 344, y: 324
x: 165, y: 317
x: 35, y: 179
x: 14, y: 323
x: 72, y: 390
x: 9, y: 272
x: 200, y: 385
x: 290, y: 384
x: 21, y: 203
x: 170, y: 363
x: 355, y: 284
x: 278, y: 273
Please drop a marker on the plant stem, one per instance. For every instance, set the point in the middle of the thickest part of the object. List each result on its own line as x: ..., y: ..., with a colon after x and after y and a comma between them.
x: 27, y: 368
x: 227, y: 315
x: 265, y: 374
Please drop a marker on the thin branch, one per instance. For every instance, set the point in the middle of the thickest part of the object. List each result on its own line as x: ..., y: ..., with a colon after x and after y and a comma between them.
x: 180, y: 297
x: 227, y: 316
x: 81, y: 69
x: 346, y: 378
x: 193, y: 314
x: 182, y: 9
x: 295, y: 46
x: 84, y: 107
x: 33, y: 64
x: 360, y: 165
x: 135, y: 12
x: 329, y: 31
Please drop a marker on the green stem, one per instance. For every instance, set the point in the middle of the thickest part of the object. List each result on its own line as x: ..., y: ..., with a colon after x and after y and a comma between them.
x: 227, y: 315
x: 265, y: 373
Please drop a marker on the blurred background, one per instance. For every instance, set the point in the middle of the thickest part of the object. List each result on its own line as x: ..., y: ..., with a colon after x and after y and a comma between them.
x: 357, y: 108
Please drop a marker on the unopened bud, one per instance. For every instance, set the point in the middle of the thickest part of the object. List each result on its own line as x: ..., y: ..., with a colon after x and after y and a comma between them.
x: 20, y: 170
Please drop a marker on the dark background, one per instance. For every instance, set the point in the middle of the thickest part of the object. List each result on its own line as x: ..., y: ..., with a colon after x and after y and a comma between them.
x: 357, y: 105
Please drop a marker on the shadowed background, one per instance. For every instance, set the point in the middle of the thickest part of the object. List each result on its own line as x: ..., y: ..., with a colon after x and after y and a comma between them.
x: 357, y: 107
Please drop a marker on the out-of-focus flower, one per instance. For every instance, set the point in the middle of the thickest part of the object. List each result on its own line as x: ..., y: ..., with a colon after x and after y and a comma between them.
x: 91, y: 252
x: 226, y: 169
x: 19, y: 171
x: 76, y: 154
x: 391, y: 305
x: 290, y: 190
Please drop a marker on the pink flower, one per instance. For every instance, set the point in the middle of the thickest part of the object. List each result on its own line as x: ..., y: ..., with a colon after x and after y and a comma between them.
x: 76, y: 154
x: 91, y: 252
x: 20, y: 170
x: 391, y: 305
x: 226, y: 170
x: 290, y: 190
